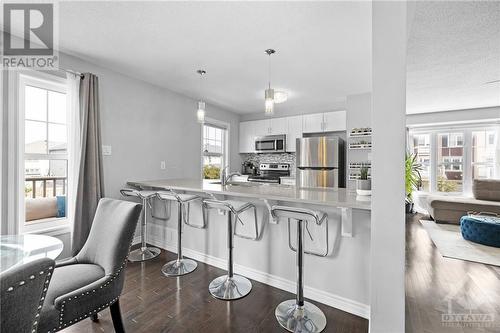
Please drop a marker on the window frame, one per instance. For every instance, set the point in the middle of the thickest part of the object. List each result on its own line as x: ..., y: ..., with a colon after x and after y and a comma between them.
x: 226, y: 147
x: 466, y: 164
x: 46, y: 82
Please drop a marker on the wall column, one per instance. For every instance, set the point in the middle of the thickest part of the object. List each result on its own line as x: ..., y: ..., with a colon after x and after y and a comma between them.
x: 387, y: 287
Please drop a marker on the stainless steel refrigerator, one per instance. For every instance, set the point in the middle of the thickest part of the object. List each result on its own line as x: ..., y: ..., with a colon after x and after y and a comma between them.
x: 320, y: 162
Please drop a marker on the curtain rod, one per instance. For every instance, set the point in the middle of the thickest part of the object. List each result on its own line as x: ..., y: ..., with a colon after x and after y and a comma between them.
x: 71, y: 72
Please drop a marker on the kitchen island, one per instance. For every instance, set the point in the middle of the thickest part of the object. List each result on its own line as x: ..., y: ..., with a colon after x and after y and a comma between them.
x: 329, y: 197
x: 340, y: 280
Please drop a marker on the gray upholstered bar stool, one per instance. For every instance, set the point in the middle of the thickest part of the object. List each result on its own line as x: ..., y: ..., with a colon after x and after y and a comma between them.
x: 297, y: 315
x: 144, y: 252
x: 231, y: 286
x: 180, y: 266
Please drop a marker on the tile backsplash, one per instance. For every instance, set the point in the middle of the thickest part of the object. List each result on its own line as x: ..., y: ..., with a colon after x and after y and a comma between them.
x: 256, y: 159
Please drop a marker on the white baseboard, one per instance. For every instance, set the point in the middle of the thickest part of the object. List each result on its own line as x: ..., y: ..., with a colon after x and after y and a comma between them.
x: 338, y: 302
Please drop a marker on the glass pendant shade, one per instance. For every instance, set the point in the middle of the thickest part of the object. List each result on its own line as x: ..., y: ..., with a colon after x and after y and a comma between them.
x: 269, y: 101
x: 200, y: 114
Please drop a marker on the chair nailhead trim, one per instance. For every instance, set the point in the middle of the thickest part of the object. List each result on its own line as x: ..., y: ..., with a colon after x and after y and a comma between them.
x: 42, y: 297
x: 115, y: 275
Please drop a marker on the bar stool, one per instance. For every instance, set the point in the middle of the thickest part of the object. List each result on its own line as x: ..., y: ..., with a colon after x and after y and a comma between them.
x: 297, y: 315
x: 180, y: 266
x: 144, y: 252
x: 231, y: 286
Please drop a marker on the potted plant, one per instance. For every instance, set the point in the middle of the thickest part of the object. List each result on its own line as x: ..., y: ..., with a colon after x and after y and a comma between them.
x: 413, y: 179
x: 363, y: 184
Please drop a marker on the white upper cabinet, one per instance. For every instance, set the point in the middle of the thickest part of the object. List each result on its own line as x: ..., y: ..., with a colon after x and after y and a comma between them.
x: 273, y: 126
x: 294, y: 127
x: 278, y: 126
x: 313, y: 123
x: 334, y: 121
x: 262, y: 127
x: 294, y: 132
x: 247, y: 137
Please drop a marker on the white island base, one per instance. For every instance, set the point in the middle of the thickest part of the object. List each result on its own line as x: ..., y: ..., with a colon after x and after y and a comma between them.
x: 340, y: 280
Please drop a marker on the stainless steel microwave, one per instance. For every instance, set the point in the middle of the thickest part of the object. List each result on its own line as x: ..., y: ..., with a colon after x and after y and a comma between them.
x: 270, y: 144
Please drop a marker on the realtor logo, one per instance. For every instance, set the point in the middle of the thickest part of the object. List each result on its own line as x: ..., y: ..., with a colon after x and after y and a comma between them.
x: 28, y: 36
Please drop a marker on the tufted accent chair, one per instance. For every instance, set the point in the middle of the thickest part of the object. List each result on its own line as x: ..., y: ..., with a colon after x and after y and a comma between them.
x: 93, y: 279
x: 22, y: 293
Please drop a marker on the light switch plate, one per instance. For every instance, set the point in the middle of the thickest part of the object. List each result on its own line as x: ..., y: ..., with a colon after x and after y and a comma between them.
x: 106, y: 150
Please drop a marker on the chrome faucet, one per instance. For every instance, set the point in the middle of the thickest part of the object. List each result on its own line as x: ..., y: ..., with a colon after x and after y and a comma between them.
x: 224, y: 177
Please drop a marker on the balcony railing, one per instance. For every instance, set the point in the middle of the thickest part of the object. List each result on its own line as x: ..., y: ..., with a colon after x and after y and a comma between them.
x: 57, y: 183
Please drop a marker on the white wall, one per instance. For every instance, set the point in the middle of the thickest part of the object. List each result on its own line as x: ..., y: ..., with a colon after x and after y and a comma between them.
x: 387, y: 285
x: 280, y: 110
x: 144, y: 124
x: 454, y: 117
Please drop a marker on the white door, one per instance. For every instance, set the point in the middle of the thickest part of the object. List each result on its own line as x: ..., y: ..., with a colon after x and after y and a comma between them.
x: 278, y: 126
x: 247, y: 137
x: 262, y: 127
x: 334, y: 121
x: 313, y: 123
x: 294, y: 132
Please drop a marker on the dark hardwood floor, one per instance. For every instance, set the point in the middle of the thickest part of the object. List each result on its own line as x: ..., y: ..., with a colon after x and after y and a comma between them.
x: 153, y: 303
x: 433, y: 283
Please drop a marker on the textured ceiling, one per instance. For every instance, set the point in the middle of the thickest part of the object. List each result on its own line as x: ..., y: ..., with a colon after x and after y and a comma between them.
x: 453, y: 51
x: 323, y: 48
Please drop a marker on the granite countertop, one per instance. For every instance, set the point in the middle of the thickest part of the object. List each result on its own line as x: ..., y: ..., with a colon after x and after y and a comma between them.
x: 328, y: 197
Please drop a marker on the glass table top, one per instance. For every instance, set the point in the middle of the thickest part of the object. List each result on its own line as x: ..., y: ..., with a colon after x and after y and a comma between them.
x: 20, y: 249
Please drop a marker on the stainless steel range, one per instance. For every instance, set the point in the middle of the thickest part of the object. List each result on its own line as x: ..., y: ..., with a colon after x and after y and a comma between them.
x: 271, y: 173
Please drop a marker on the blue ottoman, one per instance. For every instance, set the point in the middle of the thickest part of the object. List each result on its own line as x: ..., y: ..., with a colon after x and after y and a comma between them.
x: 481, y: 229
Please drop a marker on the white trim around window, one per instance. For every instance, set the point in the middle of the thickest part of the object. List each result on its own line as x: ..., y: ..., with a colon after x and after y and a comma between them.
x: 466, y: 160
x: 226, y: 154
x: 17, y: 146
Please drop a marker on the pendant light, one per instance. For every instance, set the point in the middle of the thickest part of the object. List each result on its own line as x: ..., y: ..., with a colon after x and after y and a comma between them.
x: 269, y: 93
x: 200, y: 114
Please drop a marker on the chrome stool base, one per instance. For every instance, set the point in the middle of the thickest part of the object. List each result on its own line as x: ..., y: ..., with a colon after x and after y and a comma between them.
x: 179, y: 267
x: 230, y: 288
x: 143, y: 254
x: 304, y: 319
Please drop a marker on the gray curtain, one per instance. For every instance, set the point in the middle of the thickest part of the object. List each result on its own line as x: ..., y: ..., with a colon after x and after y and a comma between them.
x: 90, y: 188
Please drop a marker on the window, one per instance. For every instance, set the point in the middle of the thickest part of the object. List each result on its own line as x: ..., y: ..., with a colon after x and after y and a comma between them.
x: 450, y: 152
x: 214, y: 150
x: 452, y: 158
x: 483, y: 154
x: 44, y: 137
x: 422, y: 148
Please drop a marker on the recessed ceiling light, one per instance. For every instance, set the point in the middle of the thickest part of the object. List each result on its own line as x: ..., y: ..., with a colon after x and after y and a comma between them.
x: 280, y: 96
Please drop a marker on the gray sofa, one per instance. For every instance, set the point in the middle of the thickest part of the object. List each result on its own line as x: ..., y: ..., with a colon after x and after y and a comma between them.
x: 448, y: 209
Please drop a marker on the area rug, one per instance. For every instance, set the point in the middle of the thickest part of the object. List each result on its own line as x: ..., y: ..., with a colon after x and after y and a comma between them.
x: 449, y: 242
